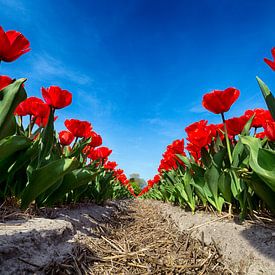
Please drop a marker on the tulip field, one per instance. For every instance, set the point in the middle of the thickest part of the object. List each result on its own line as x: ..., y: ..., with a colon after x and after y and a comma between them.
x: 229, y: 166
x: 225, y: 167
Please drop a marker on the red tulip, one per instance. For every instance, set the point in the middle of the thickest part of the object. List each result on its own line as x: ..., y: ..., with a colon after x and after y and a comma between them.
x: 110, y: 165
x: 4, y: 81
x: 78, y: 128
x: 12, y: 45
x: 30, y: 106
x: 219, y: 102
x: 118, y: 172
x: 43, y: 121
x: 56, y: 97
x: 65, y: 138
x: 260, y: 117
x: 260, y: 135
x: 168, y: 162
x: 177, y: 147
x: 96, y: 139
x: 235, y: 125
x: 271, y: 63
x: 193, y: 151
x: 199, y: 134
x: 123, y: 179
x: 99, y: 153
x: 269, y: 129
x: 194, y: 127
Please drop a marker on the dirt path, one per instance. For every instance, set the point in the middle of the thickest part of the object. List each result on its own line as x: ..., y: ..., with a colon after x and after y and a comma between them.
x: 138, y: 240
x: 132, y: 237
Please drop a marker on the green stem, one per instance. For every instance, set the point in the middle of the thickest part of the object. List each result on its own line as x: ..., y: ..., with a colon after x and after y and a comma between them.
x: 255, y: 131
x: 75, y: 141
x: 227, y: 139
x: 30, y: 128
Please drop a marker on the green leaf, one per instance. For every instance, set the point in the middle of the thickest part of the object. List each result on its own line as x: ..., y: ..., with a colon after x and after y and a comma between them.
x: 12, y: 144
x: 205, y: 157
x: 184, y: 159
x: 79, y: 148
x: 224, y: 183
x: 262, y: 190
x: 47, y: 140
x: 43, y: 178
x: 247, y: 126
x: 219, y: 157
x: 11, y: 96
x: 237, y: 153
x: 268, y: 96
x: 262, y: 161
x: 211, y: 177
x: 70, y: 182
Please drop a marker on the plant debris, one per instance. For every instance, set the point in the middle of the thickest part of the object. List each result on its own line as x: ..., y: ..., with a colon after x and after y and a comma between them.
x: 141, y: 241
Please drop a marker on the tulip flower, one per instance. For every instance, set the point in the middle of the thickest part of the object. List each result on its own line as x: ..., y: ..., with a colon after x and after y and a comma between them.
x: 260, y: 116
x: 56, y: 97
x: 99, y: 153
x: 42, y: 121
x: 4, y: 81
x: 110, y: 165
x: 219, y: 102
x: 30, y: 107
x: 260, y: 135
x: 271, y: 63
x: 96, y: 139
x: 177, y: 147
x: 269, y: 129
x: 235, y: 125
x: 12, y: 45
x: 66, y: 138
x: 199, y: 134
x: 78, y: 128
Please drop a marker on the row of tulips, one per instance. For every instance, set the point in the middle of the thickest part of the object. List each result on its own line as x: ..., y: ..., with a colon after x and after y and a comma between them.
x: 224, y: 165
x: 42, y: 166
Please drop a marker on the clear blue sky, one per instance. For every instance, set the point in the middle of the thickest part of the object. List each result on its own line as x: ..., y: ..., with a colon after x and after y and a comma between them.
x: 138, y: 68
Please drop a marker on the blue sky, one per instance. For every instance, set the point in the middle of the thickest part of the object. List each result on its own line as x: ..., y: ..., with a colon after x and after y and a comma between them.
x: 138, y: 68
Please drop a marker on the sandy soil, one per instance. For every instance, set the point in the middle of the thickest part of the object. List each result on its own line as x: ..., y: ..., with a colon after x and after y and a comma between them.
x: 27, y: 245
x: 248, y: 248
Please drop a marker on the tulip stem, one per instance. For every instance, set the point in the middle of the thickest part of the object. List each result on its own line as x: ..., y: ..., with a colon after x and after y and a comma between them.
x: 255, y: 131
x: 75, y: 141
x: 227, y: 139
x: 30, y: 128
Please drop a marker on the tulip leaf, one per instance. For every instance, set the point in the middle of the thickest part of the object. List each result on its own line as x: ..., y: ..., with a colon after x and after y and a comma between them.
x: 212, y: 178
x: 11, y: 96
x: 205, y: 157
x: 184, y: 159
x: 247, y: 126
x: 219, y: 157
x: 43, y: 178
x: 262, y: 161
x: 224, y: 184
x: 262, y: 190
x: 13, y: 144
x: 47, y: 140
x: 268, y: 96
x: 71, y: 181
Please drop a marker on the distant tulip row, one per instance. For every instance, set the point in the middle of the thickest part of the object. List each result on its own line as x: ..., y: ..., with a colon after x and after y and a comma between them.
x: 38, y: 165
x: 225, y: 164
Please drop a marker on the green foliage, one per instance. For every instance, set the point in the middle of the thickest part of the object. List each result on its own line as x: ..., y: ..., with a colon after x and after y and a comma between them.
x: 268, y: 96
x: 10, y: 97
